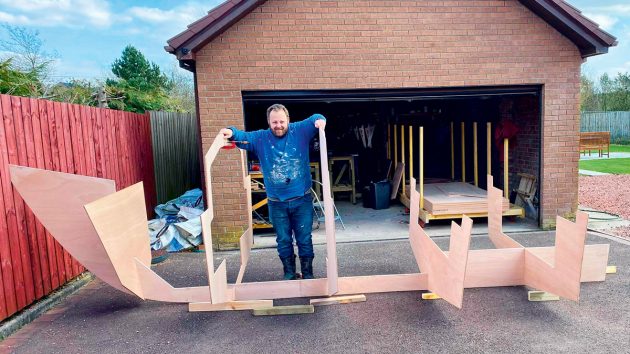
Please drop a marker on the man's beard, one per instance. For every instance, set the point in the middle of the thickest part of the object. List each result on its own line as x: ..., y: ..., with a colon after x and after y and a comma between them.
x: 279, y: 132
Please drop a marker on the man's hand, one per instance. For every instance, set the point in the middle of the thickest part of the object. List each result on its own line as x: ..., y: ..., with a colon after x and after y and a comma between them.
x: 320, y: 123
x: 227, y: 133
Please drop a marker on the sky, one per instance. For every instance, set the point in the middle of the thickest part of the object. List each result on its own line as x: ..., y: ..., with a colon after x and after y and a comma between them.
x: 88, y: 35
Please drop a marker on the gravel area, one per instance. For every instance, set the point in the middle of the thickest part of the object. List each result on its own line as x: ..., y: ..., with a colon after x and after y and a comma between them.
x: 610, y: 193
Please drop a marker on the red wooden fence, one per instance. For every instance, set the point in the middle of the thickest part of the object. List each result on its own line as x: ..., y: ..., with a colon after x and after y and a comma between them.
x: 67, y: 138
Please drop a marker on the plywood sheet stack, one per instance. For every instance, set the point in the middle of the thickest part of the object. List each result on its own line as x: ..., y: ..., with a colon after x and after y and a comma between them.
x: 456, y: 198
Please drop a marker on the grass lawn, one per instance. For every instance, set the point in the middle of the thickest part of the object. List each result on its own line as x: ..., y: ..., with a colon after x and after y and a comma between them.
x: 619, y: 148
x: 616, y: 166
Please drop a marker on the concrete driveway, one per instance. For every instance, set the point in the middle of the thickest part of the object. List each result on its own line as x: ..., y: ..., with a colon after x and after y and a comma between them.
x: 101, y: 319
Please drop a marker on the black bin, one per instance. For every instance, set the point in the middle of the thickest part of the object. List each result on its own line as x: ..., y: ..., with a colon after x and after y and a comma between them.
x: 376, y: 195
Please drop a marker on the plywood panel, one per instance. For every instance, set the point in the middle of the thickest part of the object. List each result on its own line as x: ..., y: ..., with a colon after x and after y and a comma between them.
x: 217, y: 280
x: 495, y: 267
x: 446, y: 273
x: 156, y: 288
x: 329, y: 214
x: 68, y: 224
x: 319, y: 287
x: 495, y: 218
x: 120, y: 219
x: 562, y: 276
x: 485, y: 268
x: 218, y: 285
x: 208, y: 159
x: 594, y: 262
x: 247, y: 238
x: 456, y: 198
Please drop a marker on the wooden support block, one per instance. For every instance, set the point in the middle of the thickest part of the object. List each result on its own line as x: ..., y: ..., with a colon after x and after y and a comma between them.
x: 229, y: 306
x: 338, y: 300
x: 284, y: 310
x: 430, y: 296
x: 611, y: 270
x: 541, y: 296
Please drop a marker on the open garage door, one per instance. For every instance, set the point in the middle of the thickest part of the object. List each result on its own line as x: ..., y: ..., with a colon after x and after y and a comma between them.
x: 379, y: 129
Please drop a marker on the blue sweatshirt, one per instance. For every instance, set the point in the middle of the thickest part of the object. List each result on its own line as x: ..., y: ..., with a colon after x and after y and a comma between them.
x: 284, y: 161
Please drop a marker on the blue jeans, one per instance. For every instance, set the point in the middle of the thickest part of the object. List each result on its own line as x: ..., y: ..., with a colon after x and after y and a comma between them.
x: 293, y: 218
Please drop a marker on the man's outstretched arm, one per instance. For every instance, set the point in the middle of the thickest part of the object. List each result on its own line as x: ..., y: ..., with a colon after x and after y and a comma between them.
x: 239, y: 136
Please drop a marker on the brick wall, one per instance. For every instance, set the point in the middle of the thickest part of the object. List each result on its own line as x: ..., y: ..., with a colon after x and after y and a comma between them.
x: 285, y: 44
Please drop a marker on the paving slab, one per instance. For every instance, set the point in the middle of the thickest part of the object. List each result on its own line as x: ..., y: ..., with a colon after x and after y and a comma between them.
x: 101, y: 319
x: 592, y: 173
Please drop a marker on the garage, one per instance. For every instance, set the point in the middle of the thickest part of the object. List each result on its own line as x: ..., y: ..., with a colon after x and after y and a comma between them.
x: 389, y: 65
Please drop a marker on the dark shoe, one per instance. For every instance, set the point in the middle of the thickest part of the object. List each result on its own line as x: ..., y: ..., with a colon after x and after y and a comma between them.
x: 288, y: 264
x: 306, y: 264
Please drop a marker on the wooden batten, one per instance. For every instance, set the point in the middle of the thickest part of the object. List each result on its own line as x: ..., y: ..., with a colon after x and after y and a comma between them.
x: 334, y: 300
x: 463, y: 137
x: 284, y: 310
x: 488, y: 148
x: 229, y: 306
x: 452, y: 152
x: 402, y: 158
x: 475, y: 157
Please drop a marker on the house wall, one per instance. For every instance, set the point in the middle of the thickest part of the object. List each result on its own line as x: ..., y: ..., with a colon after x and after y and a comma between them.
x: 287, y: 44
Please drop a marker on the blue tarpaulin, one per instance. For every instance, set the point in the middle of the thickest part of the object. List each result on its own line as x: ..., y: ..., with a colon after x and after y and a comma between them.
x: 178, y: 225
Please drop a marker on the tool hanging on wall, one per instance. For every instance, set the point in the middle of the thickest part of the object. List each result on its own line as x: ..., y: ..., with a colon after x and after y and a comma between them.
x: 362, y: 132
x: 370, y: 133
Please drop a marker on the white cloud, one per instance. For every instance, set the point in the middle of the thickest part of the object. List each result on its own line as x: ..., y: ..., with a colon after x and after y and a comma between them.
x: 51, y: 13
x: 614, y: 70
x: 79, y: 69
x: 186, y: 13
x: 604, y: 21
x: 150, y: 14
x: 165, y: 23
x: 620, y: 9
x: 9, y: 18
x: 98, y: 13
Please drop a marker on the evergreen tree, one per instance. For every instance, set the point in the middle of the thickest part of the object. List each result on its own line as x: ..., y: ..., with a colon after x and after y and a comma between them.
x: 138, y: 72
x: 140, y: 85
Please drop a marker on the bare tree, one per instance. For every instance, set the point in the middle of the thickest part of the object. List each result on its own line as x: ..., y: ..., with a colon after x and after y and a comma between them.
x: 182, y: 89
x: 28, y: 53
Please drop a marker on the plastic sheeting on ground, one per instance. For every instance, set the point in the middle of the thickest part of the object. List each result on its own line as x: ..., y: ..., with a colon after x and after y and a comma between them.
x: 178, y: 226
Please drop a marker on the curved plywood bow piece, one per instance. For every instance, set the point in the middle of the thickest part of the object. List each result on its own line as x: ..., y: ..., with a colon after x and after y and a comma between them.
x: 43, y: 191
x: 115, y: 248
